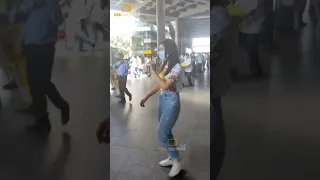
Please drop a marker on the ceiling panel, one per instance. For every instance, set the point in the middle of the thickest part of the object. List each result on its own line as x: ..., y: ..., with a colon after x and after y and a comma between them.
x: 195, y: 13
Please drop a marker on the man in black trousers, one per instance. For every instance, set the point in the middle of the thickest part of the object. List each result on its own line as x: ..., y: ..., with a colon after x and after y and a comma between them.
x: 41, y: 19
x: 122, y: 68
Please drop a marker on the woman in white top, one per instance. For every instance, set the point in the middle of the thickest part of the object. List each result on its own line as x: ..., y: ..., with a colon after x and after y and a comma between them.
x: 250, y: 28
x: 169, y: 83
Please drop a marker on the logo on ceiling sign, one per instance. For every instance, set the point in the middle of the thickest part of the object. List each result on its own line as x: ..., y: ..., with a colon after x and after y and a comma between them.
x: 126, y: 8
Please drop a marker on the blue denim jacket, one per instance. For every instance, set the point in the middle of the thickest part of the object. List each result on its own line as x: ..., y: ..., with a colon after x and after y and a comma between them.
x: 40, y: 21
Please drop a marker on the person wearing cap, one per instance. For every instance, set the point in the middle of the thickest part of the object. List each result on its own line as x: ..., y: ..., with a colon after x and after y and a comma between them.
x: 122, y: 68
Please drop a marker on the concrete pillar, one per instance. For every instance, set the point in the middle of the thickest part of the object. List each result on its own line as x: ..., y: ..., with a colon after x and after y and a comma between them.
x: 178, y: 34
x: 160, y: 21
x: 182, y: 39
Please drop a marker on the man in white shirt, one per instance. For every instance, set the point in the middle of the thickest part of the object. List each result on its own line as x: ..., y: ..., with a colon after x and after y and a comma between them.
x: 96, y: 15
x: 79, y: 11
x: 250, y: 28
x: 188, y: 69
x: 200, y: 62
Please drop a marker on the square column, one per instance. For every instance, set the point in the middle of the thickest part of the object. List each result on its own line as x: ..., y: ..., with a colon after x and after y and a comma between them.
x: 178, y: 34
x: 160, y: 21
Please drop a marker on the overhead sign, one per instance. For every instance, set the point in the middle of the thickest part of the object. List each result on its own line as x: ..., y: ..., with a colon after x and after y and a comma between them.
x: 148, y: 52
x: 126, y: 7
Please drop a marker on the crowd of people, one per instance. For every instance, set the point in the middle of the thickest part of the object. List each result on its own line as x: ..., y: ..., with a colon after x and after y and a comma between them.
x: 138, y: 66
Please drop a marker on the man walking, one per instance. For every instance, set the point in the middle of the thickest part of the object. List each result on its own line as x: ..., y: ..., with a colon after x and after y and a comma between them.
x: 188, y: 69
x: 122, y: 71
x: 96, y: 18
x: 41, y: 19
x: 200, y: 62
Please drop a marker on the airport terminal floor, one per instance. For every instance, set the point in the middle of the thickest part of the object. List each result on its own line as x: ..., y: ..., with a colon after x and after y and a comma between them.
x: 72, y: 152
x: 272, y: 125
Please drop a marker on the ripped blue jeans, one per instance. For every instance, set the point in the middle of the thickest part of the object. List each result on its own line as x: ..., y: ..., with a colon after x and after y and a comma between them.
x: 168, y: 113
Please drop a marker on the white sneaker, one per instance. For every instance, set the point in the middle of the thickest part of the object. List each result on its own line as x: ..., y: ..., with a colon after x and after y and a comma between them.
x: 167, y: 162
x: 175, y: 169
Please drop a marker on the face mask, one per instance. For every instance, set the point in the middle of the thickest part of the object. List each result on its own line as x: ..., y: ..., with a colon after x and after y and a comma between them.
x: 162, y: 55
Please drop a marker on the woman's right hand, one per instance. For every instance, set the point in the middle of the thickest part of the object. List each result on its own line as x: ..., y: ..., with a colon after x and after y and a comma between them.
x: 143, y: 101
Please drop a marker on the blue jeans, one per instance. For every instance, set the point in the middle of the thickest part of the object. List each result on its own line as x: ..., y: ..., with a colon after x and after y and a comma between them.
x: 168, y: 113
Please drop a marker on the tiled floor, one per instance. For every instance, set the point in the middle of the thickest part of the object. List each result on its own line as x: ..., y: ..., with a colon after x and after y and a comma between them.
x: 134, y: 148
x: 71, y: 152
x: 273, y: 125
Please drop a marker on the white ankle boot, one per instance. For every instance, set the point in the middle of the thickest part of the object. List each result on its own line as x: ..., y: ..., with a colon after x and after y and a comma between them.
x: 176, y: 166
x: 167, y: 162
x: 175, y: 169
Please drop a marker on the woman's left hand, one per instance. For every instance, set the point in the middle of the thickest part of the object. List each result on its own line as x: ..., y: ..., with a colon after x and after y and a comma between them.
x: 152, y: 66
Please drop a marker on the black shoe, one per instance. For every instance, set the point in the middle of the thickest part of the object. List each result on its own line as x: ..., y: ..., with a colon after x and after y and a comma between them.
x: 113, y: 88
x: 11, y: 86
x: 39, y: 128
x: 130, y: 97
x: 65, y: 114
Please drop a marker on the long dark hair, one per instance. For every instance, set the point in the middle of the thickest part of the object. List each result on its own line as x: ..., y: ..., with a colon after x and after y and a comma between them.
x: 172, y: 55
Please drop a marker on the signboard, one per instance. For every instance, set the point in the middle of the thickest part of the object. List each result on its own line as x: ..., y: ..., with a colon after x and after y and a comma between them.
x: 147, y: 52
x: 126, y: 7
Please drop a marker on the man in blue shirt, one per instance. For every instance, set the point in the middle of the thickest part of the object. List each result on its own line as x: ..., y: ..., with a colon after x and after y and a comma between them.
x: 200, y: 62
x: 122, y: 68
x: 41, y: 19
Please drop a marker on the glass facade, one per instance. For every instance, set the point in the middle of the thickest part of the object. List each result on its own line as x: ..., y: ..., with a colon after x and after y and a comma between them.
x: 148, y: 33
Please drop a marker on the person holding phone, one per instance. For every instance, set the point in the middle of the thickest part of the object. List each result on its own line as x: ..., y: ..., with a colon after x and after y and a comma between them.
x: 169, y: 83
